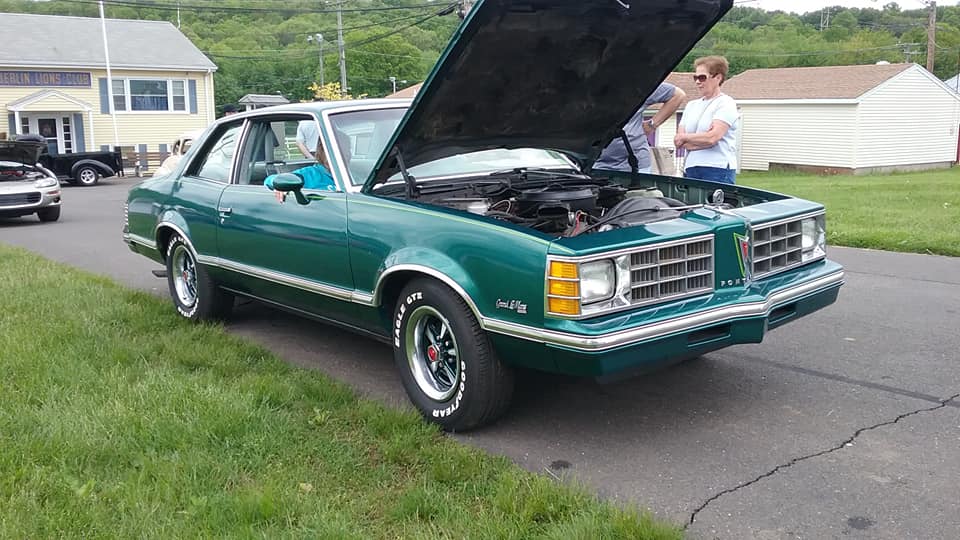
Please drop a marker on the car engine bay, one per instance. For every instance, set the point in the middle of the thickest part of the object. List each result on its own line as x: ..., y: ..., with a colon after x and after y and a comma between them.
x: 551, y: 202
x: 20, y: 172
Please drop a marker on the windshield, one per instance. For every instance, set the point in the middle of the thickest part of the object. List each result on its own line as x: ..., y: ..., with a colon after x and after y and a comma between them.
x: 362, y: 136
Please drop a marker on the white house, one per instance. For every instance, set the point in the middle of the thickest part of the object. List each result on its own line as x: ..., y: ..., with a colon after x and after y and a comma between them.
x: 846, y: 119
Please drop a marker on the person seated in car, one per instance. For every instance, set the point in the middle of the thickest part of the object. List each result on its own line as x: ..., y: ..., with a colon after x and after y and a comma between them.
x: 316, y: 176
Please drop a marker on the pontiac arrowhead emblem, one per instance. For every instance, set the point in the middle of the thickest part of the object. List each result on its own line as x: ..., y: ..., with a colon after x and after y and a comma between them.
x: 743, y: 256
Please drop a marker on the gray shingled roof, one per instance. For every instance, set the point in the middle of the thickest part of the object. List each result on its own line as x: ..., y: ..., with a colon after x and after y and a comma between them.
x: 826, y: 82
x: 264, y: 99
x: 78, y: 42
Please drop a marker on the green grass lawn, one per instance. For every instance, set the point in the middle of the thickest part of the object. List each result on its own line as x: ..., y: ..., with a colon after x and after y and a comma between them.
x: 120, y: 420
x: 915, y: 212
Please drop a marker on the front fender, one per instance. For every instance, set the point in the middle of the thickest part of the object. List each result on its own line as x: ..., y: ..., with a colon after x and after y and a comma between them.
x: 429, y: 262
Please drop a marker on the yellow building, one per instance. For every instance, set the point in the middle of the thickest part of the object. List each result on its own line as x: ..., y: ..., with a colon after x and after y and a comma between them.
x: 57, y: 86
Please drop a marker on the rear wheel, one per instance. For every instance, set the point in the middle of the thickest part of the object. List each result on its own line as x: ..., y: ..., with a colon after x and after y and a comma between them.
x: 446, y: 362
x: 50, y: 213
x: 195, y: 294
x: 87, y: 175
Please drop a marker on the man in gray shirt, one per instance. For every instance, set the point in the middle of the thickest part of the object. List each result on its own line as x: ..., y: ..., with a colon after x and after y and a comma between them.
x: 615, y: 156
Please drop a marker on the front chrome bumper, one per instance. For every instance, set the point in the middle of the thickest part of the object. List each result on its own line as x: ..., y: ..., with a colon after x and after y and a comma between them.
x: 685, y: 323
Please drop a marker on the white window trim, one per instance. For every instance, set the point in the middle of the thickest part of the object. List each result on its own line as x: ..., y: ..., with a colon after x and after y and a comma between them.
x: 128, y: 109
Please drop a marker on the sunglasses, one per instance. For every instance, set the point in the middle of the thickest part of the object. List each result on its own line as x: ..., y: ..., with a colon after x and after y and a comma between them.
x: 701, y: 78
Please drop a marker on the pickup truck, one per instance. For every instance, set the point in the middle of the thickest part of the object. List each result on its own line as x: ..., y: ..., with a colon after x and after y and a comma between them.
x: 82, y: 168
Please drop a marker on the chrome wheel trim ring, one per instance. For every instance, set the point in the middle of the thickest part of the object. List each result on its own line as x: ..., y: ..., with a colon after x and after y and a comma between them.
x: 436, y: 373
x: 184, y: 276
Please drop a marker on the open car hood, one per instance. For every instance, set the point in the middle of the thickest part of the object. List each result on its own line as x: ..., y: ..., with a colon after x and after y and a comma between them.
x: 26, y: 152
x: 564, y: 75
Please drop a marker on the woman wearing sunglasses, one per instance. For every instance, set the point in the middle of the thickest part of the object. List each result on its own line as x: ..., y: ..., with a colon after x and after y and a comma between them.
x: 708, y: 129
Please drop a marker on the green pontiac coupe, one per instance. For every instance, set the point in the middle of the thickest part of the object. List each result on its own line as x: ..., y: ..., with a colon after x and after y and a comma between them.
x: 467, y: 227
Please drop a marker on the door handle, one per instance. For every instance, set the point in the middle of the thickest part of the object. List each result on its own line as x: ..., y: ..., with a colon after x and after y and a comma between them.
x: 225, y: 211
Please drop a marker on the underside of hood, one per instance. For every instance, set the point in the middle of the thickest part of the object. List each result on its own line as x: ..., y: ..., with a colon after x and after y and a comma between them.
x: 26, y: 152
x: 555, y: 74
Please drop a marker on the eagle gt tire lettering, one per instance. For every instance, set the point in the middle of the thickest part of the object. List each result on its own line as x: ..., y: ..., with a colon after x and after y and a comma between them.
x: 194, y: 293
x: 445, y: 359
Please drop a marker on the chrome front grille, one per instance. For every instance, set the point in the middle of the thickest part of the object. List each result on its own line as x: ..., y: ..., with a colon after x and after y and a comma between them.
x: 776, y: 247
x: 672, y: 271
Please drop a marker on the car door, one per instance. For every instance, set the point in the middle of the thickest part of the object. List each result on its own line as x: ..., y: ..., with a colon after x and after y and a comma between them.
x: 284, y: 252
x: 197, y: 192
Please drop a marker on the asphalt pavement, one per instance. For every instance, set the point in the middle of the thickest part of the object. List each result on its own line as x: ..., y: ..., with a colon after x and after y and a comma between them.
x: 844, y: 424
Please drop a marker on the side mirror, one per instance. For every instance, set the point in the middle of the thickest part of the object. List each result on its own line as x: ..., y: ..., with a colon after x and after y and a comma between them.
x: 287, y: 182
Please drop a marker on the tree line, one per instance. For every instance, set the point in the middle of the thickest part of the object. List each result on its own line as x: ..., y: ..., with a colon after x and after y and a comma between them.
x: 261, y: 46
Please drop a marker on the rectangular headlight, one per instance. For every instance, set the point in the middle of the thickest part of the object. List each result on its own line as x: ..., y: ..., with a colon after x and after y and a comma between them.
x: 814, y: 238
x: 598, y: 280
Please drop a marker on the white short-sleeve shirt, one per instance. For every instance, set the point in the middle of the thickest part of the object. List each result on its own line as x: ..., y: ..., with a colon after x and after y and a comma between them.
x: 308, y: 135
x: 698, y: 116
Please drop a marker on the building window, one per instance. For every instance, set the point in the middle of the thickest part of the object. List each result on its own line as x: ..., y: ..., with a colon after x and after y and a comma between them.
x: 179, y: 95
x: 149, y: 95
x: 119, y: 95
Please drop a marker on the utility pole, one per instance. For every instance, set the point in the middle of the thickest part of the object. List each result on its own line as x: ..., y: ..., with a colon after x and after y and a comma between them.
x: 319, y: 37
x: 932, y: 36
x: 908, y: 53
x: 343, y: 56
x: 824, y: 18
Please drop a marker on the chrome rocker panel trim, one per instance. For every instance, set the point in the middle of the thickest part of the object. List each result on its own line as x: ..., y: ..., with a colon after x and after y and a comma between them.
x: 131, y: 238
x: 660, y: 329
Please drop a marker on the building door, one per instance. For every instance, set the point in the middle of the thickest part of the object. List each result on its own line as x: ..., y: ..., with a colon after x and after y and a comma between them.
x: 56, y: 129
x: 47, y: 128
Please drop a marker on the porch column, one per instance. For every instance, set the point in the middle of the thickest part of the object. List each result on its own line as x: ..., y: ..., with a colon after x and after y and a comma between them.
x: 93, y: 138
x: 16, y: 122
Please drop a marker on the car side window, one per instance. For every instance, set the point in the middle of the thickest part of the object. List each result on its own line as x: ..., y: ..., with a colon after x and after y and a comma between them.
x: 271, y: 147
x: 362, y: 136
x: 216, y: 158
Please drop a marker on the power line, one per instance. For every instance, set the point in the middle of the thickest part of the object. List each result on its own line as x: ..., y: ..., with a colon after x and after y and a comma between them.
x: 302, y: 53
x: 236, y: 9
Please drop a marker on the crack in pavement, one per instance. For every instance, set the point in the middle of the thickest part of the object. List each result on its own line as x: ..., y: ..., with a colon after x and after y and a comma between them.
x: 778, y: 468
x: 905, y: 278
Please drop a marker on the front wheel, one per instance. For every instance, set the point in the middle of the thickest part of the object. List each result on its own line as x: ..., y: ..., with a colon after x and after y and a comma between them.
x: 87, y: 176
x: 195, y: 295
x: 446, y: 362
x: 50, y: 213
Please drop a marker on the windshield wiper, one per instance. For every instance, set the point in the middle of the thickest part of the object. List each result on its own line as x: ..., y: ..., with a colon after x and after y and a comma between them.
x: 540, y: 171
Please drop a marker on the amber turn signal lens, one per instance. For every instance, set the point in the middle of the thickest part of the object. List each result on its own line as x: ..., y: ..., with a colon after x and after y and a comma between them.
x: 564, y: 288
x: 564, y: 306
x: 563, y: 270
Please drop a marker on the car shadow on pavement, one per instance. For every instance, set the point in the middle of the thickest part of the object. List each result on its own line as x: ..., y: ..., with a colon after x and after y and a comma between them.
x: 680, y: 397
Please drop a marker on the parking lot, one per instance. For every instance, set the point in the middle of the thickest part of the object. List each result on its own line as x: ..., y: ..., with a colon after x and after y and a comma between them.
x: 846, y: 424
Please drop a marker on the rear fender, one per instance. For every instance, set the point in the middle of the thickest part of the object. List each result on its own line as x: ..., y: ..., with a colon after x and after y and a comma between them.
x: 104, y: 169
x: 171, y: 223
